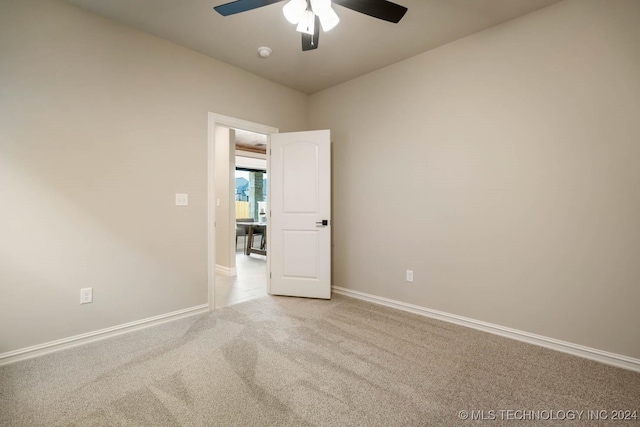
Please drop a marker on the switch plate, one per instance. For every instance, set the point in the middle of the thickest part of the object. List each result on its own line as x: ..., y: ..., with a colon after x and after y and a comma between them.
x: 182, y: 199
x: 86, y: 295
x: 409, y: 275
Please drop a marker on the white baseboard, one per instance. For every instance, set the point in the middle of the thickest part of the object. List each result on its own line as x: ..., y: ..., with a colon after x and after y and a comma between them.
x: 618, y: 360
x: 62, y: 344
x: 226, y: 271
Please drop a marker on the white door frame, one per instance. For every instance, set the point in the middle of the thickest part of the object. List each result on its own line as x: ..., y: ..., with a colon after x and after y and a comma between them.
x: 232, y: 122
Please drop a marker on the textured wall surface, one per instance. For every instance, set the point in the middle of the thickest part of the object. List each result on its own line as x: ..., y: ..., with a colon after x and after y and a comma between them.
x: 516, y: 150
x: 100, y: 125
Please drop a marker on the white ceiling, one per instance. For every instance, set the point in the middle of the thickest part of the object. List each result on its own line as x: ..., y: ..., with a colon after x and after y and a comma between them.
x: 358, y: 45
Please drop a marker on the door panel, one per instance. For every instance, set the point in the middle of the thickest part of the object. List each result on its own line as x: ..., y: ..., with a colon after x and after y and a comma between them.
x: 300, y: 193
x: 300, y: 185
x: 302, y: 250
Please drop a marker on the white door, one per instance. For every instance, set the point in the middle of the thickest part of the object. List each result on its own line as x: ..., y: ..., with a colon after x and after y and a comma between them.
x: 299, y: 226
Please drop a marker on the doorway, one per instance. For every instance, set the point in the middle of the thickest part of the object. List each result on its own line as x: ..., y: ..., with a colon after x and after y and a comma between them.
x: 246, y: 278
x: 249, y: 197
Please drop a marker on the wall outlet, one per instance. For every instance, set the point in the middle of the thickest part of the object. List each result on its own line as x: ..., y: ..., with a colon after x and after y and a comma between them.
x: 409, y: 275
x: 86, y: 295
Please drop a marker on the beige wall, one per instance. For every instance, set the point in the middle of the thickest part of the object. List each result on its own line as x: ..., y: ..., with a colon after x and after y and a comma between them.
x: 517, y: 150
x: 100, y: 125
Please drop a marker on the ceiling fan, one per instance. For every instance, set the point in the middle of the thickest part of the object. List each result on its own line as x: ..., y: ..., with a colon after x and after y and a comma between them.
x: 310, y: 14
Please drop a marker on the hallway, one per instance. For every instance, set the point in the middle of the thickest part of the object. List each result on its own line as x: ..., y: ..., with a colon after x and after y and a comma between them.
x: 250, y: 283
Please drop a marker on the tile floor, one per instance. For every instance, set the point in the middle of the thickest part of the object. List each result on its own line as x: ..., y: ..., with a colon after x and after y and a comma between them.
x: 250, y: 283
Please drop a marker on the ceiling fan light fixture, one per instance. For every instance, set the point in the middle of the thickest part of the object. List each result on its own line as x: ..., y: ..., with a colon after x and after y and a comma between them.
x: 294, y: 9
x: 310, y: 15
x: 320, y: 7
x: 307, y: 23
x: 329, y: 19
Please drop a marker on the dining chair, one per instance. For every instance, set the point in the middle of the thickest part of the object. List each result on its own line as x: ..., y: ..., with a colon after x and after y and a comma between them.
x: 242, y: 231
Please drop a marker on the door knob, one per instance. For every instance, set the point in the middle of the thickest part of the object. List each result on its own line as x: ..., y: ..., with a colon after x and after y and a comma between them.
x: 323, y: 223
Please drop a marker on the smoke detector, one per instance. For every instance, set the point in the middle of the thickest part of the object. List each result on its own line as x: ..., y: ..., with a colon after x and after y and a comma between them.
x: 264, y: 52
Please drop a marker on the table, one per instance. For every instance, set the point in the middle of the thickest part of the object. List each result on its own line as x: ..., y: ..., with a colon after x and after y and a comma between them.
x: 251, y: 227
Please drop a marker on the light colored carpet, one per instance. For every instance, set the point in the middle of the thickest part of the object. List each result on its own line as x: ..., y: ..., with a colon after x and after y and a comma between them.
x: 297, y: 362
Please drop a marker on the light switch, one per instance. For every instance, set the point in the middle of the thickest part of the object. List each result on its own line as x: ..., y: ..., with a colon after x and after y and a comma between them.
x: 218, y: 202
x: 182, y: 199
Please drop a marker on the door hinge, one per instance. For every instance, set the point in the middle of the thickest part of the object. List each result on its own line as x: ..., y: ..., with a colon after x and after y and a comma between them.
x: 270, y: 276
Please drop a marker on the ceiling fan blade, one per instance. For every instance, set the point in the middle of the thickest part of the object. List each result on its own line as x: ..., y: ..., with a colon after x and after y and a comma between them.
x: 381, y: 9
x: 242, y: 6
x: 310, y: 42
